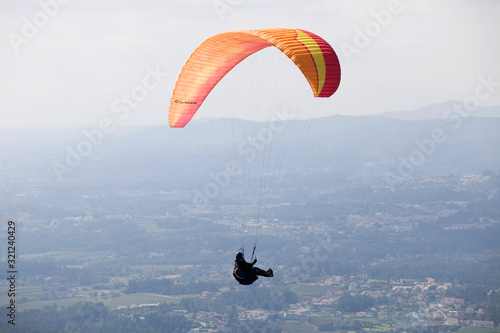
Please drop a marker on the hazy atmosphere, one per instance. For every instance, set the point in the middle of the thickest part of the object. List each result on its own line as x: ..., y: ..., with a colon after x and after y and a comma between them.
x: 372, y: 207
x: 66, y: 67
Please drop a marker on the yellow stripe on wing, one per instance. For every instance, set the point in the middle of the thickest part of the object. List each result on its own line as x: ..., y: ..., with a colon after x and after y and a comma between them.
x: 317, y: 55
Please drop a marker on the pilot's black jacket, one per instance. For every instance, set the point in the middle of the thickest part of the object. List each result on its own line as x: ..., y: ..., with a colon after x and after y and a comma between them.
x: 245, y: 273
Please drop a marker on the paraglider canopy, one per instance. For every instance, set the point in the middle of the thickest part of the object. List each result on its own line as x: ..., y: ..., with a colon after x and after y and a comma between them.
x: 217, y: 55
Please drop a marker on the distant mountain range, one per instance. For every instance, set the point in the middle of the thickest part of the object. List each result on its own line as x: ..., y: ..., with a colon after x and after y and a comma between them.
x: 339, y: 147
x: 441, y: 111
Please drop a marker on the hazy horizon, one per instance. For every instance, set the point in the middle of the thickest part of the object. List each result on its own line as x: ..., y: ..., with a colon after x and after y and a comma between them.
x: 395, y: 55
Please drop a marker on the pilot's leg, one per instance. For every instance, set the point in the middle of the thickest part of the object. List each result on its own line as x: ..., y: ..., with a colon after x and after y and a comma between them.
x: 261, y: 272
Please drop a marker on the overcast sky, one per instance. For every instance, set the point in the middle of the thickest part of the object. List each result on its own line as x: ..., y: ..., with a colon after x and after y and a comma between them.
x: 66, y: 63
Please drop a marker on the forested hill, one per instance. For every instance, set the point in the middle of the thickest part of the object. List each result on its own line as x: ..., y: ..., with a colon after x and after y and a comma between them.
x: 367, y: 146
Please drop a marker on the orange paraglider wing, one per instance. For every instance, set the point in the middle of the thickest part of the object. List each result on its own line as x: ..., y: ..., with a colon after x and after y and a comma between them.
x: 217, y: 55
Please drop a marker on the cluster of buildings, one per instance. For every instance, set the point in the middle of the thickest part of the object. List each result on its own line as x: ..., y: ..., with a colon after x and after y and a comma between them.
x: 406, y: 302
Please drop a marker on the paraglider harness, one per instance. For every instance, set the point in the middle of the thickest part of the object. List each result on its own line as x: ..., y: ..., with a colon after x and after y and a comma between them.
x: 245, y: 272
x: 245, y: 276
